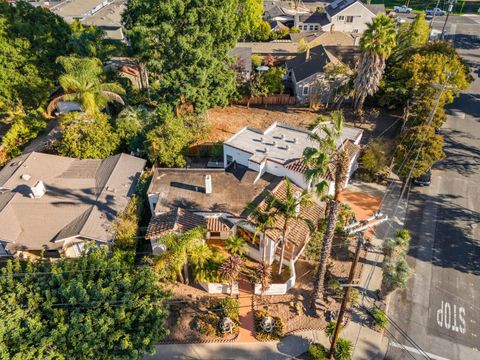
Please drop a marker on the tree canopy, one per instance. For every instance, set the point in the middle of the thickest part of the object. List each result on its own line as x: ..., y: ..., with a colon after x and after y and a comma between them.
x: 31, y: 38
x: 87, y: 136
x: 94, y: 307
x: 185, y: 46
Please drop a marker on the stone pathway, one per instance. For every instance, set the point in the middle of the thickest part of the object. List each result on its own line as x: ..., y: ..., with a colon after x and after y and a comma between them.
x: 246, y: 313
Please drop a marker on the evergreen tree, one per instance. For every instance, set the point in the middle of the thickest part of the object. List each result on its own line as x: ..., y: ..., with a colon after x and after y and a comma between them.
x: 185, y: 46
x: 94, y: 307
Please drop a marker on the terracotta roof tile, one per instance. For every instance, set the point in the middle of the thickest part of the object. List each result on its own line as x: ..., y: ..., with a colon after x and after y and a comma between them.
x: 178, y: 220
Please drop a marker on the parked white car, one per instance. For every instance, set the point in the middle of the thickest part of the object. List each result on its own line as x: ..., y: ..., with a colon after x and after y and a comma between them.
x: 402, y: 9
x: 435, y: 11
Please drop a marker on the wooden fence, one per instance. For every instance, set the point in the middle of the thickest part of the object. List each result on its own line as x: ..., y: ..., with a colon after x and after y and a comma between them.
x: 269, y: 100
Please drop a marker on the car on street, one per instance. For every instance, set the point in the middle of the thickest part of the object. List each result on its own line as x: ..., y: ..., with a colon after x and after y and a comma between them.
x: 436, y: 12
x: 402, y: 9
x: 423, y: 180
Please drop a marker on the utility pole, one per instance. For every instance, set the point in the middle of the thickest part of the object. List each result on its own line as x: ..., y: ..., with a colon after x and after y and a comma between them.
x: 450, y: 8
x: 346, y: 296
x: 433, y: 16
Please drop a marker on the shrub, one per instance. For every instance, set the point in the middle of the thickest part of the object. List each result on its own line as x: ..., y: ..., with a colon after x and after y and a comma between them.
x: 230, y: 308
x: 395, y: 274
x: 317, y: 351
x: 278, y: 330
x: 206, y: 324
x: 314, y: 246
x: 330, y: 329
x: 343, y: 349
x: 335, y: 286
x: 375, y: 159
x: 256, y: 60
x: 354, y: 296
x: 380, y: 318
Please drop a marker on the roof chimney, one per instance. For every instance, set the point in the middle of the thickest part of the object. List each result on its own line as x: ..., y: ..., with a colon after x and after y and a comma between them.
x: 38, y: 190
x: 208, y: 184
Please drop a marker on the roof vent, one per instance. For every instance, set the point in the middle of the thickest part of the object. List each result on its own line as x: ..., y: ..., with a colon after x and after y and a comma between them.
x: 38, y: 190
x: 208, y: 184
x: 26, y: 177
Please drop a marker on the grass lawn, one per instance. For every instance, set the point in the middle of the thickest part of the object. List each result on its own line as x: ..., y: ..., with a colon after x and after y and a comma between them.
x: 460, y: 7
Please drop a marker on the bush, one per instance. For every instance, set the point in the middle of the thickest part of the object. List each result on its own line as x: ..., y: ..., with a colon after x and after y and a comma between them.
x: 278, y: 331
x: 236, y: 245
x: 343, y: 349
x: 380, y: 318
x: 395, y: 275
x: 376, y: 158
x: 206, y: 324
x: 317, y: 351
x: 256, y: 60
x: 314, y: 246
x: 335, y: 286
x: 230, y: 308
x: 330, y: 329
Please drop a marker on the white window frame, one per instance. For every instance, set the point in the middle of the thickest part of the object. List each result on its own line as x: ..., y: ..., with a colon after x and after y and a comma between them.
x: 341, y: 18
x: 306, y: 90
x: 347, y: 18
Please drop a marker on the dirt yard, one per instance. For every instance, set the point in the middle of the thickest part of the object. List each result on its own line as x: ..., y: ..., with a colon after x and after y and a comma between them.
x: 227, y: 121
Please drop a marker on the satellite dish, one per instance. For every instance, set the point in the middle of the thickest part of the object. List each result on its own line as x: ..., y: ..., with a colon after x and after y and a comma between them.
x: 263, y: 68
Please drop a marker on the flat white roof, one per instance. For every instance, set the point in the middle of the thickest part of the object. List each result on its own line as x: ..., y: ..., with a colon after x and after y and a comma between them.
x: 280, y: 142
x: 72, y: 9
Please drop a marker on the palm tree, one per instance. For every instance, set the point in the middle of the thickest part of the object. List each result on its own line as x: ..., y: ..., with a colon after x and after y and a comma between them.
x: 264, y: 275
x: 230, y: 270
x: 82, y: 82
x: 199, y: 257
x: 180, y: 248
x: 377, y: 44
x: 236, y: 245
x: 318, y: 163
x: 265, y: 220
x: 289, y: 209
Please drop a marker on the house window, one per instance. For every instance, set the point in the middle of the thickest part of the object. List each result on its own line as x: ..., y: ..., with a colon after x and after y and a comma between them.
x: 311, y: 27
x: 229, y: 159
x: 248, y: 236
x: 349, y: 19
x: 316, y: 27
x: 341, y: 18
x: 214, y: 234
x: 355, y: 31
x: 305, y: 90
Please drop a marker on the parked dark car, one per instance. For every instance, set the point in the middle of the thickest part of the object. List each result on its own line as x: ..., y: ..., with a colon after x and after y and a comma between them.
x: 423, y: 180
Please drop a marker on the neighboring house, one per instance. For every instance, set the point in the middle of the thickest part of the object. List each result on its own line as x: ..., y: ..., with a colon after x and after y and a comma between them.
x: 277, y: 25
x: 306, y: 72
x: 351, y: 16
x: 281, y: 11
x: 279, y: 149
x: 242, y: 62
x: 280, y: 50
x: 325, y: 38
x: 57, y: 204
x: 105, y: 14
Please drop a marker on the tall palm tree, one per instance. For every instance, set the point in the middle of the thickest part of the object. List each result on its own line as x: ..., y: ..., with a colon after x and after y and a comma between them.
x: 264, y: 220
x: 377, y: 44
x: 289, y: 209
x: 318, y: 163
x: 82, y: 82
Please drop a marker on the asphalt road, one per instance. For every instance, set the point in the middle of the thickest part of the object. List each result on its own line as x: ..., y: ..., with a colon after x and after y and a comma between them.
x: 440, y: 310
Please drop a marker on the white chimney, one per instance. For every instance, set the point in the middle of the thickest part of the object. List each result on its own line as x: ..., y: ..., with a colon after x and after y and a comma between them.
x: 208, y: 184
x: 38, y: 190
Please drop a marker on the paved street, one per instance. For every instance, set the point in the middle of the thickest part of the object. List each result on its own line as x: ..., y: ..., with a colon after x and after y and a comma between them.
x: 440, y: 309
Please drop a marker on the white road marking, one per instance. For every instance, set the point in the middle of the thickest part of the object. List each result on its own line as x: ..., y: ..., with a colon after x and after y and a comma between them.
x: 416, y: 351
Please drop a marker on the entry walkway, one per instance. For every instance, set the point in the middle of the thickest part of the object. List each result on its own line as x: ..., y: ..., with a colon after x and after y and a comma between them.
x: 247, y: 323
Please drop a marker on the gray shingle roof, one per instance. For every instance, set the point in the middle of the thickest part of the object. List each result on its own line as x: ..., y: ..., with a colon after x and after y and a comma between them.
x: 82, y: 198
x: 303, y: 67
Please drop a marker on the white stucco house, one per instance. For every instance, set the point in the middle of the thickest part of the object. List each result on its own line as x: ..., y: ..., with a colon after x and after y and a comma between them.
x: 351, y: 16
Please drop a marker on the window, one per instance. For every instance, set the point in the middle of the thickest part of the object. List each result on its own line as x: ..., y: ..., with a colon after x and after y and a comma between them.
x: 311, y: 27
x: 214, y: 234
x: 341, y: 18
x: 229, y: 159
x: 349, y: 19
x: 316, y: 27
x: 305, y: 90
x: 355, y: 31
